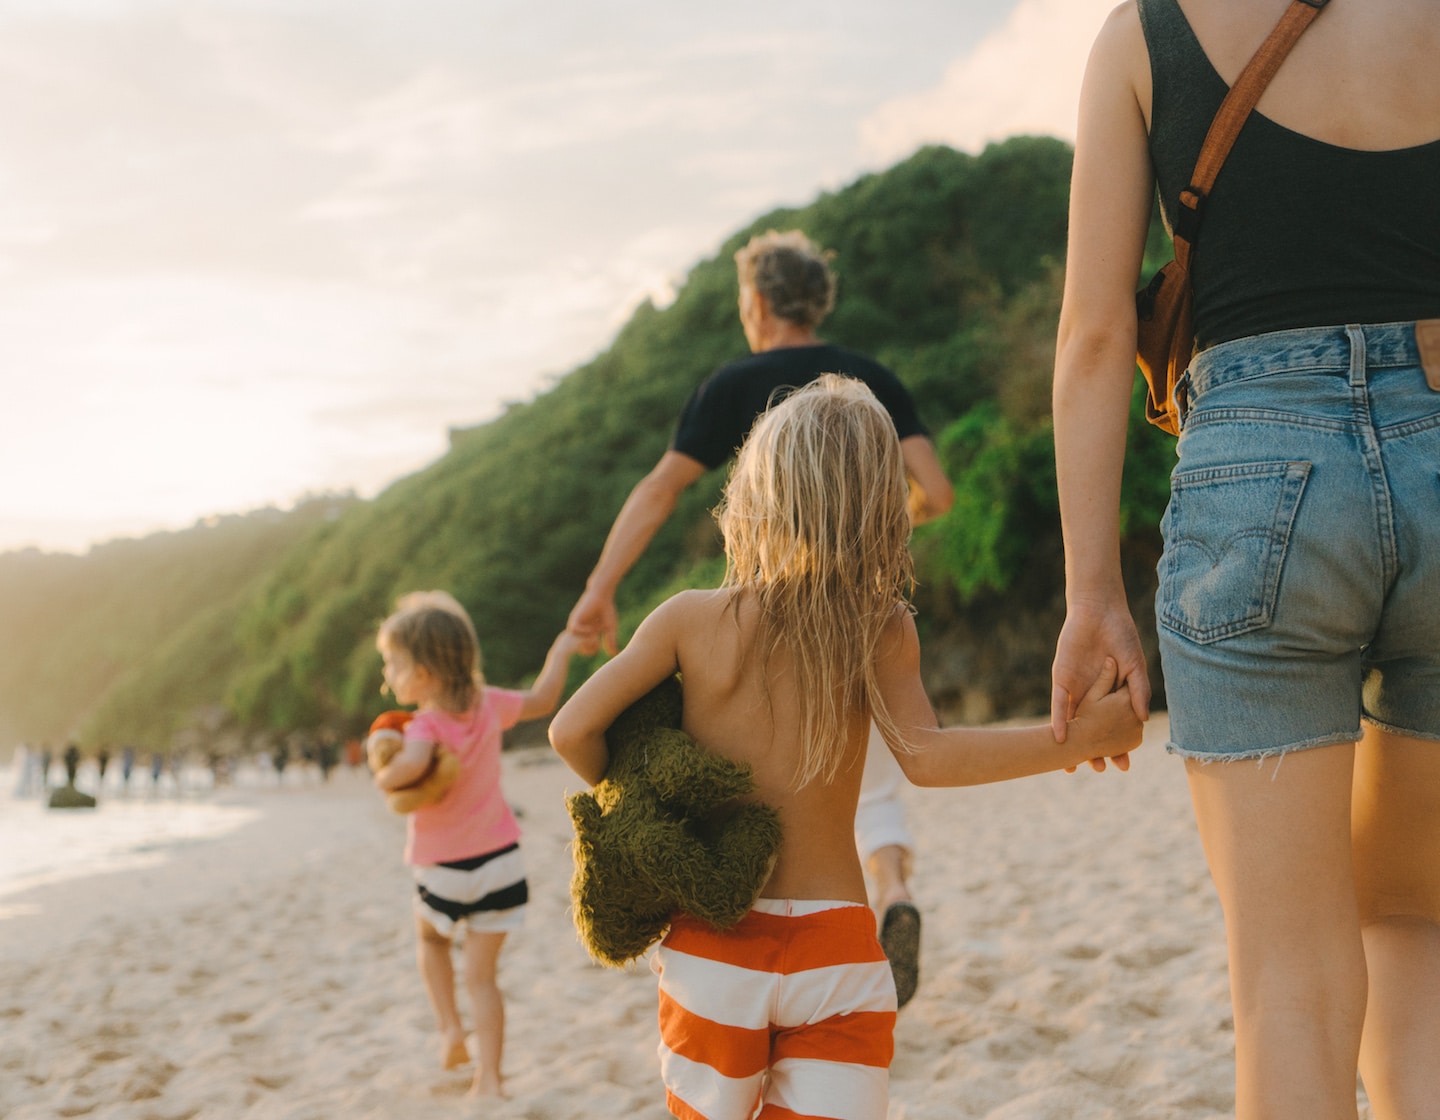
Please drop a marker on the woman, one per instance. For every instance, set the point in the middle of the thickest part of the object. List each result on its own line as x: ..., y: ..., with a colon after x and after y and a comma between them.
x: 1299, y: 598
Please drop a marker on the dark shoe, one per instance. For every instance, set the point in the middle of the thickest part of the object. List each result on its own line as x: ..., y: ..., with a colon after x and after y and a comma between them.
x: 900, y: 938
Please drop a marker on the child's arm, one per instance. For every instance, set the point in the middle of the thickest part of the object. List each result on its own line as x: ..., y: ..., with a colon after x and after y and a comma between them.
x: 578, y: 730
x: 1105, y: 725
x: 542, y: 696
x: 408, y: 766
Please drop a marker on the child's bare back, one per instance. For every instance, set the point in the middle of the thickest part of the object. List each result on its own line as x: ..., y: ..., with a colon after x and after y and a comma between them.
x: 744, y: 705
x: 740, y: 705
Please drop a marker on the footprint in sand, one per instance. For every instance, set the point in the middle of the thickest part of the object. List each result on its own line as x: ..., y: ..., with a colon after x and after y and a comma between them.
x: 1153, y: 956
x: 149, y: 1081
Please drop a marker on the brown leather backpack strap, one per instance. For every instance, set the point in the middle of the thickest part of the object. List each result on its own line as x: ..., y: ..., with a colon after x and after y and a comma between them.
x: 1427, y: 341
x: 1231, y: 117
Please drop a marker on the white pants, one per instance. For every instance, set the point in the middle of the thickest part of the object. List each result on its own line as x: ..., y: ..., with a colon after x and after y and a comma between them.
x: 880, y: 817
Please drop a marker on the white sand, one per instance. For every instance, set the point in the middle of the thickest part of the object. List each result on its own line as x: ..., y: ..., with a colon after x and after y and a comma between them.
x: 1073, y: 969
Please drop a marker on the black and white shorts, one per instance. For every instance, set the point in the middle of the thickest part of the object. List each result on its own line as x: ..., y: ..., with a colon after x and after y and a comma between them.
x: 488, y: 893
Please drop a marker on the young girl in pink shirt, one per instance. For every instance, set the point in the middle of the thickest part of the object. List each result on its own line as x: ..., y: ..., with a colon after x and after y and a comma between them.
x: 464, y: 849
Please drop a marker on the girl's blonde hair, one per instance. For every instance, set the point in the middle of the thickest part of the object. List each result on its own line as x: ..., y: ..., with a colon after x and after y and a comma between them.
x: 817, y: 527
x: 433, y: 630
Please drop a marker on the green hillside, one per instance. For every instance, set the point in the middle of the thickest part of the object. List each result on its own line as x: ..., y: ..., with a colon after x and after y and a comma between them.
x: 949, y: 269
x: 134, y: 624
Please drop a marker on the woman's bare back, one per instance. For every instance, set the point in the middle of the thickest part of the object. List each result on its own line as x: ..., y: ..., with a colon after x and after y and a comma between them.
x: 1362, y: 76
x: 741, y: 708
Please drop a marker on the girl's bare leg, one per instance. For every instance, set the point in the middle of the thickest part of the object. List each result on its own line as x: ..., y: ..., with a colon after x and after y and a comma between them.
x: 482, y: 952
x: 433, y: 956
x: 1278, y: 845
x: 1397, y: 870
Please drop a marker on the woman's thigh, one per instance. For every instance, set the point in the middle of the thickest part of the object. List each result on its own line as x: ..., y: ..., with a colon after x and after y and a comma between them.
x: 1396, y: 826
x: 1276, y: 834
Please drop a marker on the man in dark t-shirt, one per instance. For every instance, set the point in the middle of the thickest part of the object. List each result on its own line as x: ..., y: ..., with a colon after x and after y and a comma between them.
x: 720, y: 413
x: 786, y: 290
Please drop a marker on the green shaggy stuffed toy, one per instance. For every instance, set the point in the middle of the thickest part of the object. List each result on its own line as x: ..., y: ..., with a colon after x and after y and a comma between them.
x: 660, y: 834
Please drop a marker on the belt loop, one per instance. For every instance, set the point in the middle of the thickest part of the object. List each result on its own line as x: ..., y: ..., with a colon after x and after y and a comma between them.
x: 1357, y: 355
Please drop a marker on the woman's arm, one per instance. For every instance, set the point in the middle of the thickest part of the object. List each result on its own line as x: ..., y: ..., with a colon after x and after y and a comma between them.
x: 1111, y: 195
x: 578, y: 730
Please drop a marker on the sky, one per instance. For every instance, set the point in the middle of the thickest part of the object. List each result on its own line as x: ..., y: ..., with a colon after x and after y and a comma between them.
x: 257, y: 249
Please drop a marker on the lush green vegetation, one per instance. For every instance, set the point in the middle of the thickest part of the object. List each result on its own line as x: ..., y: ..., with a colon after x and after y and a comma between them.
x: 131, y: 640
x: 950, y: 271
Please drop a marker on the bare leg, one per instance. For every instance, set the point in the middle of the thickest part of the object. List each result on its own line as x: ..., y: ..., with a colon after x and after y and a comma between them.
x: 1278, y: 845
x: 1397, y: 870
x: 882, y: 836
x: 482, y: 952
x: 887, y: 867
x: 885, y: 843
x: 433, y: 955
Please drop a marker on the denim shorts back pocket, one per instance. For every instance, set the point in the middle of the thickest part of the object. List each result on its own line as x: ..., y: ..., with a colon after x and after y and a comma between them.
x: 1226, y: 530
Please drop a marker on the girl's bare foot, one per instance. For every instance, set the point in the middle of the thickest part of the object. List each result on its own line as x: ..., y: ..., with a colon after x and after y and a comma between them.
x: 486, y: 1085
x: 453, y: 1051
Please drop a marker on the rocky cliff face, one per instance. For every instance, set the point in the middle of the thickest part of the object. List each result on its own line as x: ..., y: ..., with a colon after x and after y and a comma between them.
x: 990, y: 659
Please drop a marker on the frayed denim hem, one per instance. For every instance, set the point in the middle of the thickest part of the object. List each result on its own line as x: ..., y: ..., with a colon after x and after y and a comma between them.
x: 1407, y: 732
x: 1260, y: 754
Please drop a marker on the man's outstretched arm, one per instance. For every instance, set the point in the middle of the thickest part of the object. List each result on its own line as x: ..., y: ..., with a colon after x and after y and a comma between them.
x: 646, y: 509
x: 930, y: 492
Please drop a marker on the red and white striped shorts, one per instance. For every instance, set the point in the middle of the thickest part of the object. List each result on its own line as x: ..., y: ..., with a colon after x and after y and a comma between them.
x: 789, y: 1015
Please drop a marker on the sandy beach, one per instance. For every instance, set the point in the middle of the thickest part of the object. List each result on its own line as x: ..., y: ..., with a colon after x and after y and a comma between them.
x: 1073, y: 969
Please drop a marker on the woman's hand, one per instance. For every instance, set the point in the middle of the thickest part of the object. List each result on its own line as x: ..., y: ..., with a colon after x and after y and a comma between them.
x: 1092, y: 632
x: 1106, y: 724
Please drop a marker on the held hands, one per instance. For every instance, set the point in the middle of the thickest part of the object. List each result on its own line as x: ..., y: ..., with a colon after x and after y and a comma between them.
x: 567, y: 643
x: 1106, y: 724
x: 594, y: 621
x: 1096, y: 630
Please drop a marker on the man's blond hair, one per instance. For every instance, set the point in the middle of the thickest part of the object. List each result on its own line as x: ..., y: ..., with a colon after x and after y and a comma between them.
x: 792, y: 273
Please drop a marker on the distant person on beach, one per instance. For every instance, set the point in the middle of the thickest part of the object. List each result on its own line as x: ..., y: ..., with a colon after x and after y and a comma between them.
x: 24, y: 761
x: 1299, y: 587
x: 127, y: 765
x: 808, y: 643
x: 786, y: 290
x: 465, y: 849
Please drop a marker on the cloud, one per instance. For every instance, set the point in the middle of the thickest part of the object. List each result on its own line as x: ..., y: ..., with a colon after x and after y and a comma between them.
x: 341, y: 228
x: 1024, y: 77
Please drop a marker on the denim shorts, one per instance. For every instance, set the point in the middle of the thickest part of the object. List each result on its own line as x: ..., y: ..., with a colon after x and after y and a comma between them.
x: 1300, y: 582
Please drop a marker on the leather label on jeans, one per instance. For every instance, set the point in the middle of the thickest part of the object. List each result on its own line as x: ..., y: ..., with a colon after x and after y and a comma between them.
x: 1427, y: 339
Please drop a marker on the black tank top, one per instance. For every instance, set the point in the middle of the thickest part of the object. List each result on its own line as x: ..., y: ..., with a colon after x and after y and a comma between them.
x: 1297, y: 232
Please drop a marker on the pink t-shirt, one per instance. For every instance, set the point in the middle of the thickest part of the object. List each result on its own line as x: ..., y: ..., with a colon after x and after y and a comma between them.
x: 472, y: 819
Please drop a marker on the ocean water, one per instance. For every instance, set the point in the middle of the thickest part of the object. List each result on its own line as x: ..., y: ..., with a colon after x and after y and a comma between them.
x: 128, y: 829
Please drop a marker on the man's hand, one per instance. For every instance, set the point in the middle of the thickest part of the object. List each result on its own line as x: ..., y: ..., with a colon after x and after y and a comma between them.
x: 593, y: 620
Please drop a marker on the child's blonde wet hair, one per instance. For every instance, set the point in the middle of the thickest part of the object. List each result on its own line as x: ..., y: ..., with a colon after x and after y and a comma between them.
x: 433, y: 629
x: 816, y: 525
